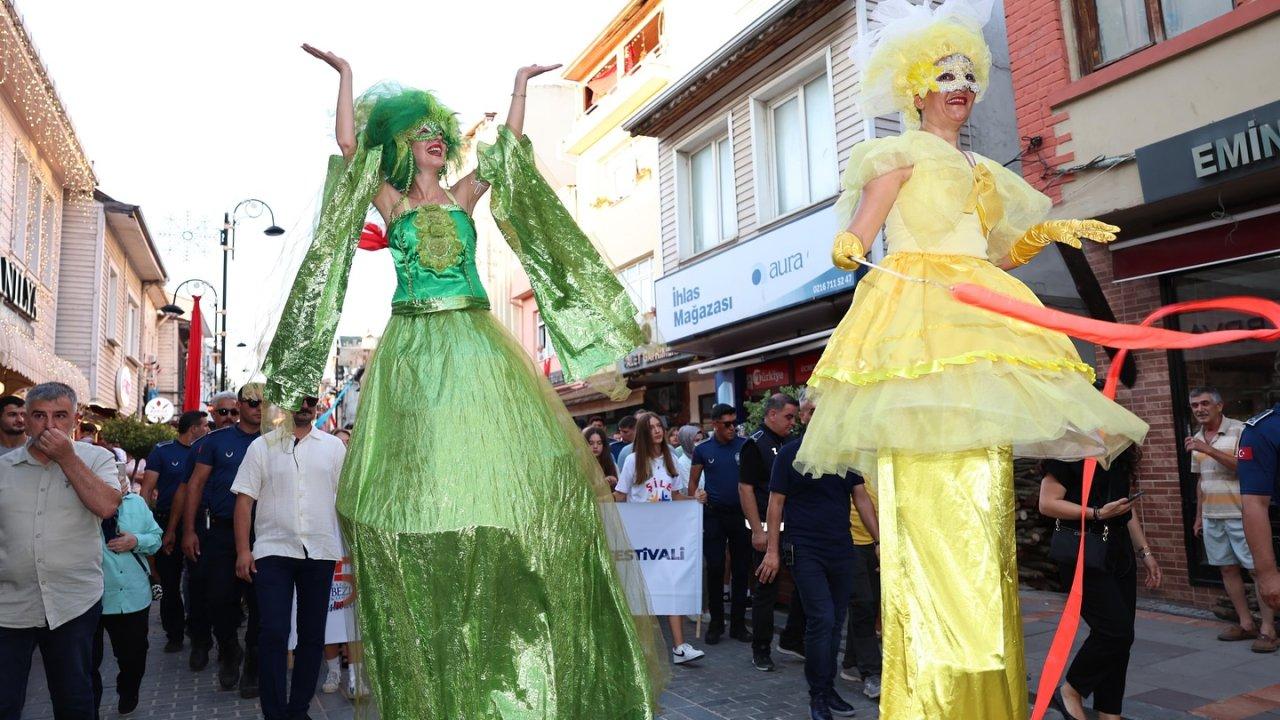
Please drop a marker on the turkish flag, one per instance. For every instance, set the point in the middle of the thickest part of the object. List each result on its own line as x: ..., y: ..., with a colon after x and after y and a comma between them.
x: 195, y: 342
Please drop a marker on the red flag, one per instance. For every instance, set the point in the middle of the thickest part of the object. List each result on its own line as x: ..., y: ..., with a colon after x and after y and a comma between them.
x: 195, y: 343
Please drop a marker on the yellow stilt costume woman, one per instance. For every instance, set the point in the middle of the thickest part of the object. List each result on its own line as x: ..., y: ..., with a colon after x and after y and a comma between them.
x: 933, y: 398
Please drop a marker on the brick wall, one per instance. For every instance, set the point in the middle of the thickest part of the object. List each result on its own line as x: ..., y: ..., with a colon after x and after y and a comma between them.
x: 1039, y: 61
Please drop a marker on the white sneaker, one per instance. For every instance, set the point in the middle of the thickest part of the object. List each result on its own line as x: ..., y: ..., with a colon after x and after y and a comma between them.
x: 355, y: 687
x: 685, y: 653
x: 332, y: 681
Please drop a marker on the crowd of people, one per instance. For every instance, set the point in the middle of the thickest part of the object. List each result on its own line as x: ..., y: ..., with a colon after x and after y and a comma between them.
x: 226, y: 519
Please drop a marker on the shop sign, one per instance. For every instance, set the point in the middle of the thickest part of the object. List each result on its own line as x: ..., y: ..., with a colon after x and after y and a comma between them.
x: 804, y: 365
x: 126, y: 390
x: 644, y: 359
x: 786, y: 266
x: 1225, y: 150
x: 769, y: 375
x: 17, y: 289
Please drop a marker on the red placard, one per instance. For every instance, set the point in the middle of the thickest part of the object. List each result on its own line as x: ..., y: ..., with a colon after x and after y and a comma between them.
x: 768, y: 375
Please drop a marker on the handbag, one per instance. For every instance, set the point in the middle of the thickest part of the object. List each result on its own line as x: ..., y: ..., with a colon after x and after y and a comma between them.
x: 1065, y: 543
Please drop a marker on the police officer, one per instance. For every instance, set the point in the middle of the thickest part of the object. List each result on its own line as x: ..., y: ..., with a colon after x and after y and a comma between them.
x: 209, y: 542
x: 723, y: 525
x: 758, y: 454
x: 1258, y: 467
x: 168, y: 466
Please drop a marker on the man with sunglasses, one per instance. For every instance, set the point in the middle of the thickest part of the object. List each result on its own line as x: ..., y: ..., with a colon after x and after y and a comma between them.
x: 208, y: 540
x: 168, y: 466
x: 723, y: 523
x: 286, y: 495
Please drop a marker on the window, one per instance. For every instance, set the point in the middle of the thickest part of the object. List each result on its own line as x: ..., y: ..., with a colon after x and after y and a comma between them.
x: 709, y: 212
x: 799, y: 137
x: 133, y: 329
x: 113, y: 303
x: 545, y: 349
x: 31, y: 250
x: 21, y: 203
x: 601, y: 84
x: 642, y: 43
x: 1111, y: 29
x: 48, y: 231
x: 637, y: 278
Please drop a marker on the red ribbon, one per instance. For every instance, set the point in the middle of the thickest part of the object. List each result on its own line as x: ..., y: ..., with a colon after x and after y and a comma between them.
x: 1126, y: 338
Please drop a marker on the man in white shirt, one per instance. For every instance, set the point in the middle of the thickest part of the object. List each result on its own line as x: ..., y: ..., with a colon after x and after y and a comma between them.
x: 292, y: 476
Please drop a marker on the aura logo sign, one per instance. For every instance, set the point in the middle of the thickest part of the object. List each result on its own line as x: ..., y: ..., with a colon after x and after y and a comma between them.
x: 777, y: 268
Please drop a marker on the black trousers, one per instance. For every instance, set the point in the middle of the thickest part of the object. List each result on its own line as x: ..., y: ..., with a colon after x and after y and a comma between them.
x: 861, y: 646
x: 725, y: 526
x: 128, y: 633
x: 278, y: 582
x: 824, y: 578
x: 169, y: 567
x: 764, y: 598
x: 214, y: 585
x: 67, y: 652
x: 1109, y: 607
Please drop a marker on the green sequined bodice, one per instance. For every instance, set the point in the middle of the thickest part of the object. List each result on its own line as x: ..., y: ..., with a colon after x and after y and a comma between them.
x: 434, y: 249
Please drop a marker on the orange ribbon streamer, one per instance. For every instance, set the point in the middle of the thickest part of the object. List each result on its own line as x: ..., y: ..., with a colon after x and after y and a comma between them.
x: 1126, y: 338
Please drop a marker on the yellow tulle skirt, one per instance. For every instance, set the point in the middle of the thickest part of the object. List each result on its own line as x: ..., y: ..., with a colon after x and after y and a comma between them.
x: 912, y: 369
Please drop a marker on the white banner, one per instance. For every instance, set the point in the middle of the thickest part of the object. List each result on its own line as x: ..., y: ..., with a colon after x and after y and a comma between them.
x: 340, y: 626
x: 666, y: 543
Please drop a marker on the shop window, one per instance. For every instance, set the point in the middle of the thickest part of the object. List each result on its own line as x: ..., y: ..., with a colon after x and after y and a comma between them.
x: 601, y: 84
x: 637, y: 278
x: 706, y: 193
x: 21, y: 204
x: 1111, y: 29
x: 642, y: 44
x: 799, y: 136
x: 1246, y: 373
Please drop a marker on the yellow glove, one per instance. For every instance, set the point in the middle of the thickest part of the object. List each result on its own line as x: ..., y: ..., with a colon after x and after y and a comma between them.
x: 1067, y: 232
x: 847, y: 251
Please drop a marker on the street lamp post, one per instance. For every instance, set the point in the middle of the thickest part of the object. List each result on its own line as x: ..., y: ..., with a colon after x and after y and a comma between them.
x: 173, y: 309
x: 227, y: 241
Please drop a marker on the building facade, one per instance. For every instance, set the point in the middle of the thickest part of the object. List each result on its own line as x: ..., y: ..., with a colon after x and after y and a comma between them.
x: 751, y: 143
x: 1163, y: 117
x: 45, y: 183
x: 109, y: 305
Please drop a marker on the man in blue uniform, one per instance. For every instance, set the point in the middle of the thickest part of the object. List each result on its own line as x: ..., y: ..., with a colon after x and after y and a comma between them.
x: 723, y: 523
x: 209, y: 541
x: 168, y: 466
x: 1258, y: 467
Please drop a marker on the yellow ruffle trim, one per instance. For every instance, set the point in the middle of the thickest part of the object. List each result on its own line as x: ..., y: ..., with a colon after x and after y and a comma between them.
x: 919, y: 370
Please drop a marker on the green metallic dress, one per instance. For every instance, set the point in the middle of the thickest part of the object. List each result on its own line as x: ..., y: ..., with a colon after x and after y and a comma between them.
x: 478, y: 521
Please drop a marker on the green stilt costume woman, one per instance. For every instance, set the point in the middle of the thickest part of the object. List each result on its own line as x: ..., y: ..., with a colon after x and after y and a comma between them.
x: 478, y: 520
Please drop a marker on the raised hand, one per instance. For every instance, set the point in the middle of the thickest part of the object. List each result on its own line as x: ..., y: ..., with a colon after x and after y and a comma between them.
x: 1067, y: 232
x: 329, y: 58
x: 533, y: 71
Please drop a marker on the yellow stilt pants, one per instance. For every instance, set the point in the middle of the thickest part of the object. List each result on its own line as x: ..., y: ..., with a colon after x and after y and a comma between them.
x: 952, y: 625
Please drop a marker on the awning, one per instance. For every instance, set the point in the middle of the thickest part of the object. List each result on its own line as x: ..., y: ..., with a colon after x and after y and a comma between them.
x: 1228, y: 239
x: 22, y: 356
x: 601, y: 404
x: 803, y: 343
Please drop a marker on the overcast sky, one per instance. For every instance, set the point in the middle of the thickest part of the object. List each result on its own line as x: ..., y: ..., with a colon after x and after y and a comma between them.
x: 186, y: 108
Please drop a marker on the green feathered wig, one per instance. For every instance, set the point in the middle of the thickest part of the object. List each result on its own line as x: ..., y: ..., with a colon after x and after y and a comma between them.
x: 389, y: 116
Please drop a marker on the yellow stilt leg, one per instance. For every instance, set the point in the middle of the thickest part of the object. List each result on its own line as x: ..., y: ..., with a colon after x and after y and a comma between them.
x: 952, y: 624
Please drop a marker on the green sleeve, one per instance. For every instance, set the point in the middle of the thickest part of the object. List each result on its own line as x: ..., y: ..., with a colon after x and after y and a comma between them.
x: 296, y: 358
x: 589, y: 316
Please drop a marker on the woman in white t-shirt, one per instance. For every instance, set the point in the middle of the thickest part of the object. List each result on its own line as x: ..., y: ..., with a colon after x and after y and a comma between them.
x: 660, y: 479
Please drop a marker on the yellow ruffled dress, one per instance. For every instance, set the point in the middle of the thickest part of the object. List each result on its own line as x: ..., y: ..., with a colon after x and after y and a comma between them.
x: 932, y: 398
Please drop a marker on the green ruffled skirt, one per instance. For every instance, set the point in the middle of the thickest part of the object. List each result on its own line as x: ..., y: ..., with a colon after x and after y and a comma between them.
x: 480, y: 528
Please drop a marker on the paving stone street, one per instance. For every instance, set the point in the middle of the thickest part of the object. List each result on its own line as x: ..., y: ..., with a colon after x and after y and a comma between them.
x: 1178, y: 670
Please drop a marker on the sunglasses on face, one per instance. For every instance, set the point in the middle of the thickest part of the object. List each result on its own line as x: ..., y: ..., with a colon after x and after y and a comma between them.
x: 252, y: 403
x: 223, y: 412
x: 729, y: 423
